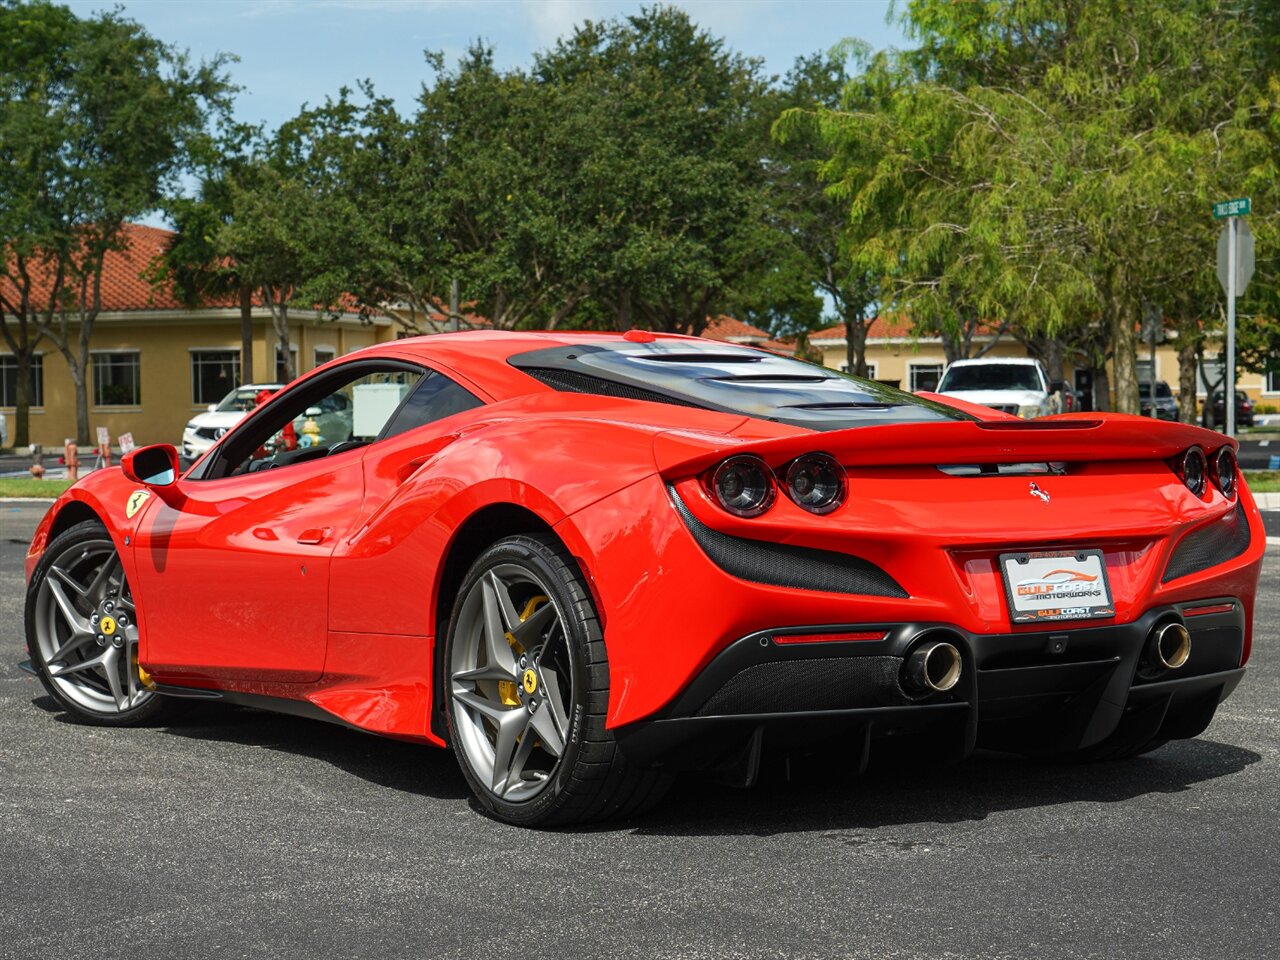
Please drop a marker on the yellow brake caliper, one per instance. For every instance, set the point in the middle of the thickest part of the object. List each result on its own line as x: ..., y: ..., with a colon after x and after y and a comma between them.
x: 507, y: 688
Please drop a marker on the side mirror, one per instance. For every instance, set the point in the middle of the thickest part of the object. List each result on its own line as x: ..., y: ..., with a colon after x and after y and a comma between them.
x: 213, y: 408
x: 153, y: 466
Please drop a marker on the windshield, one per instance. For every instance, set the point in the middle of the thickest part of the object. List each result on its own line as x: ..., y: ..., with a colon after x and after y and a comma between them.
x: 990, y: 376
x: 729, y: 378
x: 1162, y: 391
x: 242, y: 399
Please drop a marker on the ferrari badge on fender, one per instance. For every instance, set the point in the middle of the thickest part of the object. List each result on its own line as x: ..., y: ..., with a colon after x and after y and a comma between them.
x: 136, y: 500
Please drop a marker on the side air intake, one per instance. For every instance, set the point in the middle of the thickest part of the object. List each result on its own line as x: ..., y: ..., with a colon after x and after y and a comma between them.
x: 778, y: 565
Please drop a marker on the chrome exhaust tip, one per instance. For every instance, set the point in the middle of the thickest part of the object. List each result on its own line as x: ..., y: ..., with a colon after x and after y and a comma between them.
x: 932, y: 667
x: 1169, y: 646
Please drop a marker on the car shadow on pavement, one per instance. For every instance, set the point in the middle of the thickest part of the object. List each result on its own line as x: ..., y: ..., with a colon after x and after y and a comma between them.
x: 395, y: 764
x: 982, y: 785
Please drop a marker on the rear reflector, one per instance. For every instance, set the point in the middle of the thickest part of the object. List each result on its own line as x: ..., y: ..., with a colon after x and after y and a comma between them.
x: 829, y: 637
x: 1205, y: 611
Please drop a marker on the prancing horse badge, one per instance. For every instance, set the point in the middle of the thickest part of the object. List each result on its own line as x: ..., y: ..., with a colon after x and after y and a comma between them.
x: 136, y: 500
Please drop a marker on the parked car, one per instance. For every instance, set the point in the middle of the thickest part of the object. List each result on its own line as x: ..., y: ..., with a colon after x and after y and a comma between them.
x: 1018, y: 386
x: 1166, y: 407
x: 203, y: 430
x: 4, y: 430
x: 585, y: 561
x: 1244, y: 410
x: 327, y: 420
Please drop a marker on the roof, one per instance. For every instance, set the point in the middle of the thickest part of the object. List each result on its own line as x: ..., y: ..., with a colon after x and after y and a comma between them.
x: 125, y: 287
x: 896, y: 327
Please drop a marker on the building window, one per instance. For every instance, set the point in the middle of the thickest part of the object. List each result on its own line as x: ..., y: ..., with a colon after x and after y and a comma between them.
x: 281, y: 375
x: 925, y: 376
x: 323, y: 355
x: 871, y: 370
x: 9, y: 381
x: 214, y: 374
x: 117, y: 379
x: 1272, y: 383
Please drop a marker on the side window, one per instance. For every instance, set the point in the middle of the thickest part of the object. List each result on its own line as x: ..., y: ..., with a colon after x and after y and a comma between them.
x: 437, y: 397
x: 331, y: 416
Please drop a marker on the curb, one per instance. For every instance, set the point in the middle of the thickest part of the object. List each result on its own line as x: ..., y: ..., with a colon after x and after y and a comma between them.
x: 1267, y: 501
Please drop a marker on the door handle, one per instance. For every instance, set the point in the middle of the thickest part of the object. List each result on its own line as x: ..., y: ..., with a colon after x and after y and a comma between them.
x: 315, y: 535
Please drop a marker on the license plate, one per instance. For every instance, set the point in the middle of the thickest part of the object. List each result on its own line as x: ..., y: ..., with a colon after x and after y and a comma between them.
x: 1057, y: 585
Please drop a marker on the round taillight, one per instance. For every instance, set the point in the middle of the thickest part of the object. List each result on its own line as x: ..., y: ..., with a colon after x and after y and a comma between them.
x: 816, y: 482
x: 744, y: 486
x: 1195, y: 470
x: 1225, y: 473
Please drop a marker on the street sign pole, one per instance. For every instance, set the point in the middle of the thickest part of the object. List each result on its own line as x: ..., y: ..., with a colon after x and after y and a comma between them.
x: 1235, y: 268
x: 1229, y: 384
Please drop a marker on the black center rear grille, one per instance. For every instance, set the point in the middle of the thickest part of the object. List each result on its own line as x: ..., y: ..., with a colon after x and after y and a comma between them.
x: 778, y: 565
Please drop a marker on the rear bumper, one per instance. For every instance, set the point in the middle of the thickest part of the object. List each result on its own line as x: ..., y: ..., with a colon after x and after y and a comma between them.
x: 1044, y: 692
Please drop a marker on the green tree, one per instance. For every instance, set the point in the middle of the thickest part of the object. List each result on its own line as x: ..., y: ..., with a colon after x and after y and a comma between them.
x: 95, y: 127
x: 191, y: 265
x: 658, y: 181
x: 1047, y: 163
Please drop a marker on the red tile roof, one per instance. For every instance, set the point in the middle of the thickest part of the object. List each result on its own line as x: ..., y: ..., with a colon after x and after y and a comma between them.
x: 733, y: 329
x: 124, y: 283
x: 896, y: 327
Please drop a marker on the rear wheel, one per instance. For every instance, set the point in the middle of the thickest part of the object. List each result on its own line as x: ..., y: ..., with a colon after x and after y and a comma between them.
x: 82, y: 632
x: 528, y: 689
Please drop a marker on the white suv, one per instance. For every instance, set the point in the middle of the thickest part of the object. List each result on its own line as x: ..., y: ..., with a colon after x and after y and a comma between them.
x: 1008, y: 384
x: 206, y: 428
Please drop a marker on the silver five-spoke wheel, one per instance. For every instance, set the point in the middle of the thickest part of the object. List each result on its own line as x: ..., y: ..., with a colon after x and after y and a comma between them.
x: 509, y: 676
x: 526, y: 690
x: 82, y: 629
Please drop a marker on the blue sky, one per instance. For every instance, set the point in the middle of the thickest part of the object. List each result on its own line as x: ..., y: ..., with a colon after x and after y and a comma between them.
x: 295, y: 51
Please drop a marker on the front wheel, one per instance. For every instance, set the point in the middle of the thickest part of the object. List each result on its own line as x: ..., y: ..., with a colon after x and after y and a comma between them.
x: 82, y: 630
x: 528, y: 688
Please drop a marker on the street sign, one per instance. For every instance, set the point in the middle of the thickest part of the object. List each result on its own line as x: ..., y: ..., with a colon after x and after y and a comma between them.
x: 1233, y: 208
x: 1244, y: 256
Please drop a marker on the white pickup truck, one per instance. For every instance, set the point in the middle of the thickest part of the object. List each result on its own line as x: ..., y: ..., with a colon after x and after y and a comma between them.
x: 1008, y: 384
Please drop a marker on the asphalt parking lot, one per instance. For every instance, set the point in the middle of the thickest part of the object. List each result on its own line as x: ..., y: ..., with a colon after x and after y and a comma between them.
x: 242, y: 834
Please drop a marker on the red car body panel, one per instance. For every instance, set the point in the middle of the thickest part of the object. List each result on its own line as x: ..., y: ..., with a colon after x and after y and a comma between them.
x: 327, y: 588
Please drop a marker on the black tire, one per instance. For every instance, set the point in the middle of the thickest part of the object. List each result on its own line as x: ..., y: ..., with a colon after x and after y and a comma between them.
x: 591, y: 779
x: 87, y: 696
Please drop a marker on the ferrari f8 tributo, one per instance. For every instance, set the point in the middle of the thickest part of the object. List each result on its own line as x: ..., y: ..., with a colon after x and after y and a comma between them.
x: 587, y: 561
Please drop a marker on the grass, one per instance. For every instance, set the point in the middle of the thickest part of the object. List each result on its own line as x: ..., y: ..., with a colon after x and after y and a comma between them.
x: 1263, y: 481
x: 30, y: 487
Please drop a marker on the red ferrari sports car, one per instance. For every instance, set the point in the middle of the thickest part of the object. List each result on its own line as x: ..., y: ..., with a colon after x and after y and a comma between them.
x: 588, y: 561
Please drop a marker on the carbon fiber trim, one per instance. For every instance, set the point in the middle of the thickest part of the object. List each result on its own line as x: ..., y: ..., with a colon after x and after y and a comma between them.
x: 791, y: 686
x: 571, y: 381
x: 1209, y: 545
x: 785, y: 566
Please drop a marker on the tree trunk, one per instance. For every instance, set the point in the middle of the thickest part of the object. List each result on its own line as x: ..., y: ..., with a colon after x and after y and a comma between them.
x: 246, y: 335
x: 82, y: 406
x: 1188, y: 365
x: 1101, y: 390
x: 1124, y: 346
x: 21, y: 435
x: 855, y: 338
x: 280, y: 320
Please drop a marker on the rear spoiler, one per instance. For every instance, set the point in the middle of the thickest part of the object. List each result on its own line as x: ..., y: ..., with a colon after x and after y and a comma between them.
x: 1070, y: 437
